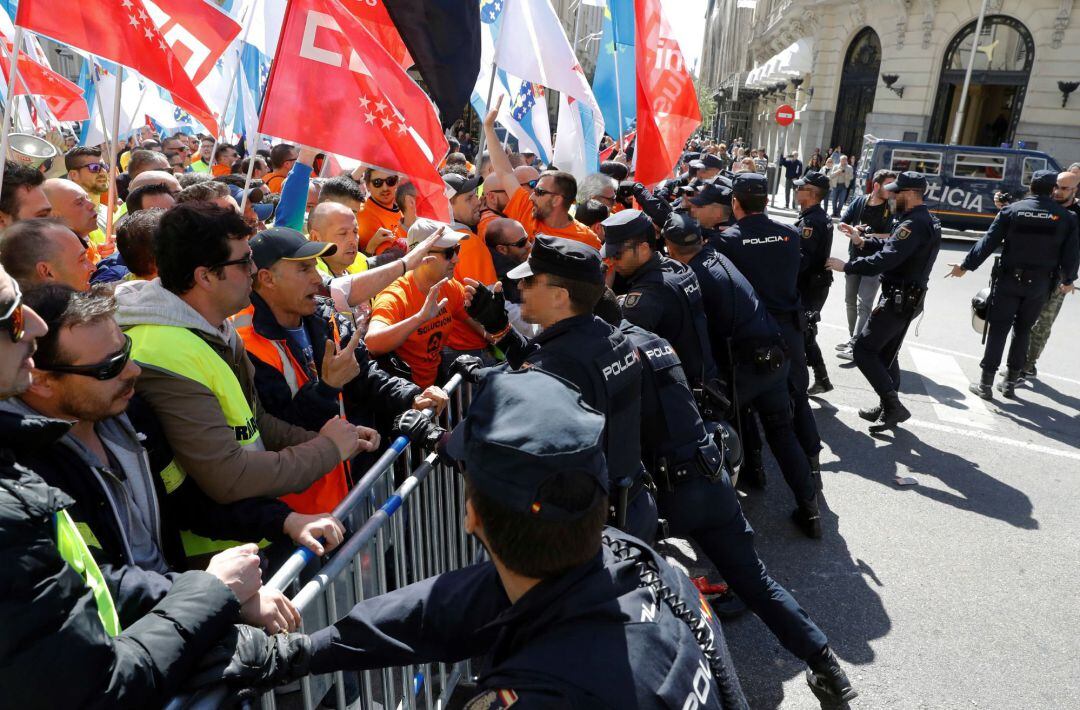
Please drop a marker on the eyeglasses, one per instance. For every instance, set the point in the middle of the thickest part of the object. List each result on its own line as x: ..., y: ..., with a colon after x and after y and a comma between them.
x: 246, y: 260
x: 531, y: 184
x: 388, y: 181
x: 518, y: 244
x: 95, y: 168
x: 540, y: 192
x: 107, y: 369
x: 14, y: 320
x: 449, y: 252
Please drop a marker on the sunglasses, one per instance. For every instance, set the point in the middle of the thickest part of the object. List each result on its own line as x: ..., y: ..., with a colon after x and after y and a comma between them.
x: 389, y: 182
x: 108, y: 369
x: 449, y: 252
x: 518, y: 244
x: 540, y: 192
x: 14, y: 321
x: 531, y: 184
x: 247, y: 261
x: 95, y: 168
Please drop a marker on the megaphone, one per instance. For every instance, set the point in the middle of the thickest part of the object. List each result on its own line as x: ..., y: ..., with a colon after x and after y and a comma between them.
x: 29, y: 150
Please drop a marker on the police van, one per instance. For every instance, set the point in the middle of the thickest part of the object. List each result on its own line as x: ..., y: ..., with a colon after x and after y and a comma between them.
x: 962, y: 179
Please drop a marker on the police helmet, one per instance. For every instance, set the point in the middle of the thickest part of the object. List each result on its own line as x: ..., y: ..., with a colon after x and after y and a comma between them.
x: 980, y: 304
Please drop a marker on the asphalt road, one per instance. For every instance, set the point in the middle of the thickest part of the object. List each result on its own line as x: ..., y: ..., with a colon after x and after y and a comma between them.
x: 957, y: 592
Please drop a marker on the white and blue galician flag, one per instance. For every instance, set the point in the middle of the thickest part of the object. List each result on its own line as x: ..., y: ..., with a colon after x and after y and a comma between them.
x: 616, y: 62
x: 524, y: 110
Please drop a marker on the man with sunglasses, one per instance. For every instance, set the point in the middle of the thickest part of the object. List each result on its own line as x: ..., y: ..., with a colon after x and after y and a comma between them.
x: 57, y: 604
x: 86, y: 169
x: 175, y: 144
x: 379, y: 221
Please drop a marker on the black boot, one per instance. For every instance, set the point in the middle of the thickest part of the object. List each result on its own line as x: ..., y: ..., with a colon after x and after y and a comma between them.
x: 1008, y: 385
x: 815, y: 470
x: 871, y: 414
x: 825, y: 675
x: 892, y: 411
x: 984, y: 387
x: 821, y: 383
x: 808, y: 518
x: 752, y: 472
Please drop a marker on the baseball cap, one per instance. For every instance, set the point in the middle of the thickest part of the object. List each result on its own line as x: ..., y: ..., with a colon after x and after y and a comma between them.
x: 509, y: 458
x: 750, y: 184
x: 624, y: 225
x: 277, y: 243
x: 908, y: 180
x: 813, y: 177
x: 711, y: 161
x: 561, y: 257
x: 712, y: 192
x: 460, y: 184
x: 1044, y: 179
x: 682, y: 229
x: 423, y: 228
x: 696, y: 165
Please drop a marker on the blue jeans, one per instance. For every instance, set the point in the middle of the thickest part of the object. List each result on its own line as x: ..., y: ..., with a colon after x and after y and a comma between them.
x: 838, y: 195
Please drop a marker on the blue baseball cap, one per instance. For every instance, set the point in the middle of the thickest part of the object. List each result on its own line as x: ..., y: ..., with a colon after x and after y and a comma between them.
x: 523, y: 428
x: 561, y: 257
x: 622, y: 226
x: 750, y: 184
x: 1044, y: 179
x: 908, y: 180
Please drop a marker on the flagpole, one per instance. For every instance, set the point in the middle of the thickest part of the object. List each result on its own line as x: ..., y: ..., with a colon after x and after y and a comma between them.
x: 250, y: 171
x: 487, y: 107
x: 10, y: 102
x: 114, y: 159
x: 134, y: 116
x: 967, y: 76
x: 232, y: 85
x: 101, y: 109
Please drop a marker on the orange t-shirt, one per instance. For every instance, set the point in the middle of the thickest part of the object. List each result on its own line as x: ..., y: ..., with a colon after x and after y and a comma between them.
x: 370, y: 218
x: 422, y: 350
x: 474, y: 262
x: 520, y: 208
x: 486, y: 217
x: 274, y: 181
x: 219, y: 170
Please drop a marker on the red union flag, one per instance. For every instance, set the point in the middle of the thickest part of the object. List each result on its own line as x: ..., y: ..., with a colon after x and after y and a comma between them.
x: 357, y: 100
x: 198, y: 32
x: 667, y: 103
x: 63, y: 98
x: 377, y: 20
x: 121, y: 31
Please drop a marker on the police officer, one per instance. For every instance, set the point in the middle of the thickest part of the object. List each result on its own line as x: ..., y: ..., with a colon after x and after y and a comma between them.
x: 816, y: 231
x: 751, y: 351
x: 661, y: 295
x: 711, y: 207
x: 695, y: 495
x: 1041, y: 246
x: 558, y: 614
x: 904, y: 260
x: 768, y: 255
x: 560, y: 284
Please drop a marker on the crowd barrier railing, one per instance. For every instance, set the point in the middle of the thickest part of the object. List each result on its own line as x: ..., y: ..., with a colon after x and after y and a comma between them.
x: 407, y: 523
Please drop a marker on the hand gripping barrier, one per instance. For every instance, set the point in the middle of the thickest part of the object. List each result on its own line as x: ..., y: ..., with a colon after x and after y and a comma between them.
x: 414, y: 533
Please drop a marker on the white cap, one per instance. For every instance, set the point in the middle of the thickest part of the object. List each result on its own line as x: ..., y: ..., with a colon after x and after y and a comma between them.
x: 423, y: 228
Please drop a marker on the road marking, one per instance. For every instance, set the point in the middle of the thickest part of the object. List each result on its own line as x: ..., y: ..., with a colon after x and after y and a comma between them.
x: 942, y: 377
x: 974, y: 434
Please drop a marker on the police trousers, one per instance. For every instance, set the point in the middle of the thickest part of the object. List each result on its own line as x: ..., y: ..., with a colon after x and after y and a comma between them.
x: 641, y: 517
x: 876, y: 349
x: 768, y: 394
x: 813, y: 302
x: 1016, y: 306
x: 791, y: 329
x: 708, y: 511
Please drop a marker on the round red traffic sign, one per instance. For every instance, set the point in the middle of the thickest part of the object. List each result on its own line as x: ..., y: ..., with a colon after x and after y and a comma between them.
x: 785, y: 115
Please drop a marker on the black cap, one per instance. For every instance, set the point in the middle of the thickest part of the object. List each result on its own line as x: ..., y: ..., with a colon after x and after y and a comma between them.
x: 682, y: 229
x: 688, y: 156
x: 711, y: 161
x: 813, y: 177
x: 277, y: 243
x: 509, y: 458
x: 460, y: 184
x: 750, y: 184
x: 624, y: 225
x: 1046, y: 179
x: 907, y: 181
x: 561, y: 257
x: 695, y: 165
x: 712, y: 192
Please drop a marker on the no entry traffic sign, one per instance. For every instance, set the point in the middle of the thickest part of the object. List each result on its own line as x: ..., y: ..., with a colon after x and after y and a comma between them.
x: 785, y: 115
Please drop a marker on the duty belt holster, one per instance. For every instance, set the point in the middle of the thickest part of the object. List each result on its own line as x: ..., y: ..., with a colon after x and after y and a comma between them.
x: 904, y: 299
x: 708, y: 462
x: 625, y: 492
x: 1026, y: 277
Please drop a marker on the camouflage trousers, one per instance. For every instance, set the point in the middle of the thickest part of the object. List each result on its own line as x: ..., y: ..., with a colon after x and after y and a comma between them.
x: 1040, y: 332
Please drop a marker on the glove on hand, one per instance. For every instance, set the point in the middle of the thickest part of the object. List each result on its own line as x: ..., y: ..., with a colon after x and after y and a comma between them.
x: 488, y: 308
x: 250, y: 659
x: 468, y: 366
x: 419, y: 428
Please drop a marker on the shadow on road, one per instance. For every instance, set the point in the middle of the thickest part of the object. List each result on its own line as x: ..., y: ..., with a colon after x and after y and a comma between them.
x: 1047, y: 421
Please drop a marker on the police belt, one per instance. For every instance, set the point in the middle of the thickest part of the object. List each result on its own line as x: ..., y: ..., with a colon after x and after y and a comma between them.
x: 904, y: 296
x: 708, y: 463
x: 622, y: 496
x: 764, y: 354
x: 1029, y: 275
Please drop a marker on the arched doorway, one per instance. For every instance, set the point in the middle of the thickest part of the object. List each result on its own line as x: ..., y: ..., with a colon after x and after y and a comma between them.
x: 858, y: 82
x: 999, y: 80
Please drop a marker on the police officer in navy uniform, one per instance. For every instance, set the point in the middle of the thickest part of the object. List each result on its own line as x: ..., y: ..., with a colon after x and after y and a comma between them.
x: 1041, y: 247
x: 816, y: 232
x: 560, y: 285
x: 567, y: 613
x: 768, y: 255
x: 750, y: 351
x: 711, y: 207
x: 904, y: 260
x: 696, y: 497
x: 662, y: 295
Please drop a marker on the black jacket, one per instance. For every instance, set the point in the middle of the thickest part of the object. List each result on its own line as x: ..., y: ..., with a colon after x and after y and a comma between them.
x: 372, y: 398
x: 54, y: 652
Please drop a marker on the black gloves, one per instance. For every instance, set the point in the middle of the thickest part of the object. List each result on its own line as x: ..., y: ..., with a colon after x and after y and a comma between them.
x: 488, y: 308
x: 419, y: 428
x: 247, y: 658
x: 468, y: 366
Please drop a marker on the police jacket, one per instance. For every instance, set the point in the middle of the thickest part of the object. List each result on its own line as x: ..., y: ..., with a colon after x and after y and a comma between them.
x: 594, y: 637
x: 1039, y: 235
x: 732, y: 308
x: 372, y: 398
x: 664, y: 297
x: 601, y: 362
x: 768, y: 255
x: 907, y: 255
x: 816, y: 238
x: 54, y: 651
x: 653, y: 204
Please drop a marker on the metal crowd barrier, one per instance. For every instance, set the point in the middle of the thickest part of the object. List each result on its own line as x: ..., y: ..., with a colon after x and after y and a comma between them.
x: 406, y: 512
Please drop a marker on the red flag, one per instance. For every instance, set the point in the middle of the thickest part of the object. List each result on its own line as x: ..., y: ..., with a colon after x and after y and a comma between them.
x: 378, y: 23
x: 198, y: 32
x: 667, y: 107
x: 64, y: 98
x: 358, y: 105
x: 121, y: 31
